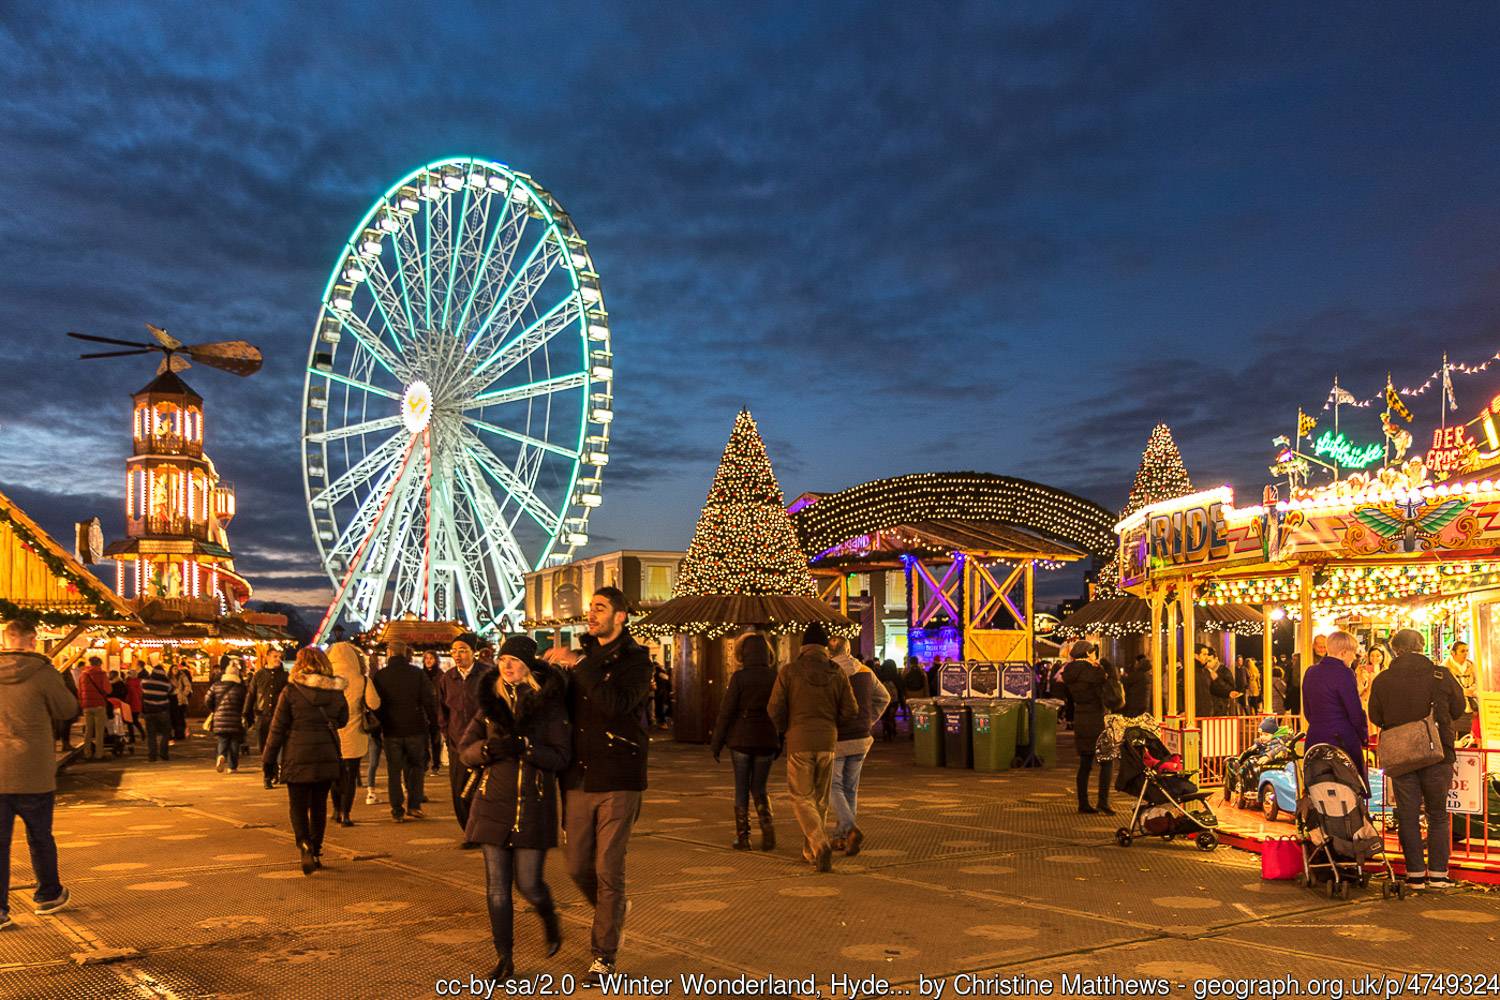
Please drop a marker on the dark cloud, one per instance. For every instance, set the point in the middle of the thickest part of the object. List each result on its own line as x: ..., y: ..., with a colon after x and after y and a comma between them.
x: 994, y: 237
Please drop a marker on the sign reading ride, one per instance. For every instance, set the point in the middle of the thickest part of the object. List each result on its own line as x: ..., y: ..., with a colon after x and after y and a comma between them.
x: 1194, y: 534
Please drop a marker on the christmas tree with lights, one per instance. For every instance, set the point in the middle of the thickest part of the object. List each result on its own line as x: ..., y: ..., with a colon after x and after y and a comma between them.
x: 744, y: 542
x: 1161, y: 476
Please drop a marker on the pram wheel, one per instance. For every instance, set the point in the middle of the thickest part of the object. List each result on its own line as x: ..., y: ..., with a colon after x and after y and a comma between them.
x: 1206, y: 841
x: 1385, y: 890
x: 1122, y: 837
x: 1302, y: 880
x: 1169, y: 837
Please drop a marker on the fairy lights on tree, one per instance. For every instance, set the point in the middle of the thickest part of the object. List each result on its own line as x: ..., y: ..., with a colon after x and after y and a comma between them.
x: 1160, y: 476
x: 744, y: 542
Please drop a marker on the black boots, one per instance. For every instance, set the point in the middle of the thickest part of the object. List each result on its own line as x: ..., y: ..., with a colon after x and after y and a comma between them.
x: 767, y: 828
x: 552, y: 927
x: 741, y: 829
x: 504, y: 970
x: 309, y: 860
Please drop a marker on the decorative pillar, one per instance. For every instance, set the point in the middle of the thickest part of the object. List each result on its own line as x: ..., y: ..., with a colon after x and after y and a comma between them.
x: 1305, y: 632
x: 1267, y: 638
x: 1189, y: 641
x: 1155, y: 653
x: 1172, y: 702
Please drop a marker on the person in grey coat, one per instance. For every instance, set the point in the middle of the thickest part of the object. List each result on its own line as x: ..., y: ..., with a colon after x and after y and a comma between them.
x: 33, y: 698
x: 853, y: 745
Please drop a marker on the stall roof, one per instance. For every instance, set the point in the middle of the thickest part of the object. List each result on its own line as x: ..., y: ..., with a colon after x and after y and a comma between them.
x: 942, y: 537
x: 31, y: 578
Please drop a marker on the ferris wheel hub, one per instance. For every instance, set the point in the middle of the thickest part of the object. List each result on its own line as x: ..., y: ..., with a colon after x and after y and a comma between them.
x: 416, y: 407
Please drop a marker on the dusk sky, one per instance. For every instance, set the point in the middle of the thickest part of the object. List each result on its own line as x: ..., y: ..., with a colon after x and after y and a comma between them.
x: 913, y: 237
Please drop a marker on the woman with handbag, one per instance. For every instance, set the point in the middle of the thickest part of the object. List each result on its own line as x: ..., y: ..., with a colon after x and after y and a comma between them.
x: 304, y: 741
x: 517, y: 745
x: 354, y: 736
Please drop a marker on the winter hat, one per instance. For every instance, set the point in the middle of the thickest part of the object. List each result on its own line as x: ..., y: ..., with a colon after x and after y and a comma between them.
x: 522, y: 647
x: 468, y: 639
x: 816, y: 635
x: 753, y: 651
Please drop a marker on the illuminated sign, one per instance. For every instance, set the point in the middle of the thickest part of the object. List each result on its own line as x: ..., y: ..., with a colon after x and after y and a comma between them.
x: 1191, y: 535
x: 1451, y: 449
x: 1341, y: 451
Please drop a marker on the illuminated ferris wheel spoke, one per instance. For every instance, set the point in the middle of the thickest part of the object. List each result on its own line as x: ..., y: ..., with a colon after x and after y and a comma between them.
x: 504, y: 476
x: 518, y: 437
x: 482, y: 322
x: 356, y: 430
x: 531, y: 390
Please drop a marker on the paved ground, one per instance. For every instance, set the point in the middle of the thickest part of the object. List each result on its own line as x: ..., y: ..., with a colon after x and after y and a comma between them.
x: 185, y: 885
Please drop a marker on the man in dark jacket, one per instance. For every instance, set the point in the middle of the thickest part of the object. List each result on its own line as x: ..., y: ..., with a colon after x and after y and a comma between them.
x: 260, y: 704
x: 1210, y: 690
x: 1406, y: 691
x: 809, y: 702
x: 33, y: 698
x: 458, y: 693
x: 407, y: 704
x: 156, y: 707
x: 608, y: 692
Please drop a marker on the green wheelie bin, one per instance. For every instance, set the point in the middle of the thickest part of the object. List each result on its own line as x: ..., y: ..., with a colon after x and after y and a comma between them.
x: 995, y: 722
x: 927, y: 733
x: 1044, y: 733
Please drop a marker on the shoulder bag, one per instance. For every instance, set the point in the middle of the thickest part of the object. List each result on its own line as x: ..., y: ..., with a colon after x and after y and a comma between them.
x: 1412, y: 746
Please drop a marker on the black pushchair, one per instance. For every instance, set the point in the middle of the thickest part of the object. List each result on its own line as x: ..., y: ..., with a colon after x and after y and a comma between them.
x: 1167, y: 802
x: 1340, y: 845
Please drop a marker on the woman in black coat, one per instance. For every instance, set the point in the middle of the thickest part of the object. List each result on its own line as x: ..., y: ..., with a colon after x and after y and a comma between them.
x: 521, y: 740
x: 1137, y: 684
x: 746, y: 728
x: 1088, y: 684
x: 304, y: 740
x: 226, y: 708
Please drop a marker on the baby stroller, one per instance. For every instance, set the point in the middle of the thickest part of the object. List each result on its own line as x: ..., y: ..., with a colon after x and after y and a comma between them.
x: 1167, y: 802
x: 117, y: 734
x: 1340, y: 845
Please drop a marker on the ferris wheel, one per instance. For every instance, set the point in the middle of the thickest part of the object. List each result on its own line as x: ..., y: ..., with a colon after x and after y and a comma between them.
x: 458, y: 399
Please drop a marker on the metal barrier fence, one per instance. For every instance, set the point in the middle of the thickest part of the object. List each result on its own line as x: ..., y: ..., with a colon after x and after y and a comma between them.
x: 1222, y: 738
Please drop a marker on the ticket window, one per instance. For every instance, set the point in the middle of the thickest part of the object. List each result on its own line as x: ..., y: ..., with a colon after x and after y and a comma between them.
x: 1486, y: 647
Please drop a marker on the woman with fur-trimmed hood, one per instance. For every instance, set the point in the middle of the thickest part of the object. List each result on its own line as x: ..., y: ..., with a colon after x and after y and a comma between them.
x: 304, y: 740
x: 519, y: 742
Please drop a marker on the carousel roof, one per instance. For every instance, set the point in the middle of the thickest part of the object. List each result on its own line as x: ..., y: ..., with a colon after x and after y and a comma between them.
x: 719, y: 614
x: 1130, y: 615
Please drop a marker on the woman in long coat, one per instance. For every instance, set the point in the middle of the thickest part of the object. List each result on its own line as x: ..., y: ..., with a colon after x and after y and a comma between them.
x: 226, y: 707
x: 304, y: 741
x: 520, y: 741
x: 354, y: 742
x: 746, y: 728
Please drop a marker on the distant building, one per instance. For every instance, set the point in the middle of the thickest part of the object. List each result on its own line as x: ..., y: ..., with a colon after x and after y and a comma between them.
x: 557, y: 597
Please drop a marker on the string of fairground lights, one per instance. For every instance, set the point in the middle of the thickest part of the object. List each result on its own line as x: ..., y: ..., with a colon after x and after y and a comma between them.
x: 1475, y: 369
x: 936, y: 496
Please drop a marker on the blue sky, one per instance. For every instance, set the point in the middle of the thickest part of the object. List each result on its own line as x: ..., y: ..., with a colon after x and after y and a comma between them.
x: 998, y: 237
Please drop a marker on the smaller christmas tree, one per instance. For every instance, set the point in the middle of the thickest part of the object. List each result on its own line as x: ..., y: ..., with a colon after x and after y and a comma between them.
x: 744, y: 542
x: 1161, y: 476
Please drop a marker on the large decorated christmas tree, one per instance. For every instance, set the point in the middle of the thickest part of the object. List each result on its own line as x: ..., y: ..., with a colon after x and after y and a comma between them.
x: 744, y: 542
x: 1161, y: 476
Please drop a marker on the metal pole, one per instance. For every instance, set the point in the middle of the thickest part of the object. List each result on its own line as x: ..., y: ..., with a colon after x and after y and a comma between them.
x: 1304, y: 655
x: 1265, y: 664
x: 1156, y: 664
x: 1172, y: 702
x: 1190, y: 665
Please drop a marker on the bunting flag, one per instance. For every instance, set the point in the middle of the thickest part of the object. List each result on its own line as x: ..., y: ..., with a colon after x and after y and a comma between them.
x: 1342, y: 396
x: 1305, y: 424
x: 1395, y: 404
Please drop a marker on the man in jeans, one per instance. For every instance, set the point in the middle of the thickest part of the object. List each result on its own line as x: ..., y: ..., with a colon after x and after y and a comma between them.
x: 156, y: 709
x: 1405, y: 692
x: 810, y: 700
x: 408, y: 705
x: 33, y: 699
x: 608, y: 691
x: 854, y: 744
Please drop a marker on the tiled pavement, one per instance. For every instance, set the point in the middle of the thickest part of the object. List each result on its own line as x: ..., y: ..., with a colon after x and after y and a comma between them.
x: 185, y: 885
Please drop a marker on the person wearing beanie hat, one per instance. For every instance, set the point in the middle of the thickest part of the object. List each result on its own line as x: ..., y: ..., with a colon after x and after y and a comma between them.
x: 745, y: 727
x: 522, y: 647
x: 457, y: 704
x: 226, y: 711
x: 810, y: 700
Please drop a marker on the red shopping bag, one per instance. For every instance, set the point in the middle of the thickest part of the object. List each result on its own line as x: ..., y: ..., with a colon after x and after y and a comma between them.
x: 1280, y: 858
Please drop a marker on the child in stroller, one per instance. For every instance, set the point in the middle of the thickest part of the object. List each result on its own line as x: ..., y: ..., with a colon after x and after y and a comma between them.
x: 1167, y: 802
x: 1340, y: 845
x: 118, y: 735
